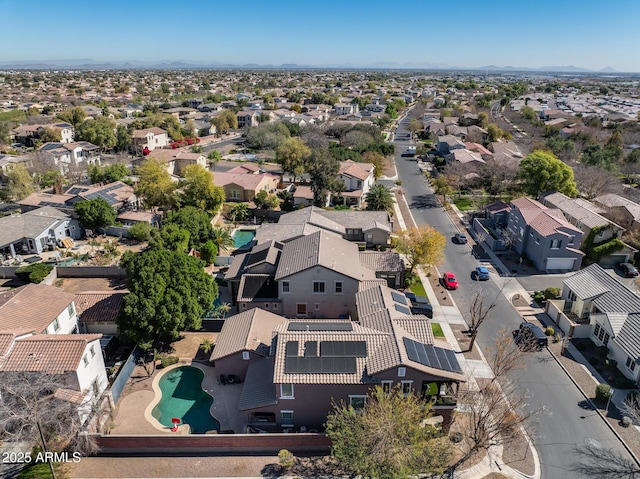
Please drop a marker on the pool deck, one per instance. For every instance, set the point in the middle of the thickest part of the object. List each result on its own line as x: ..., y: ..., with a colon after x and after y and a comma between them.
x: 134, y: 410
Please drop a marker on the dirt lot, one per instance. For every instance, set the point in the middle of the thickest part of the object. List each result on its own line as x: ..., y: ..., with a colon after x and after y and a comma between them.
x: 77, y: 285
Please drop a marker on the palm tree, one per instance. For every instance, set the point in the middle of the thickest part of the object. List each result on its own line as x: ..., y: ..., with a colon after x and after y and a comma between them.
x: 222, y: 238
x: 379, y: 198
x: 239, y: 212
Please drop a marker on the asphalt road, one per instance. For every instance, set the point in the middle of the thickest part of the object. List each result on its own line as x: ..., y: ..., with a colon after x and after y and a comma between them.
x: 563, y: 424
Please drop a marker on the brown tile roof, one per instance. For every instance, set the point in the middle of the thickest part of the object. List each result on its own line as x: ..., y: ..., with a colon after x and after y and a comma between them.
x: 360, y: 171
x: 544, y: 220
x: 381, y: 261
x: 247, y: 181
x: 248, y: 331
x: 99, y: 306
x: 143, y: 133
x: 50, y: 353
x: 321, y: 249
x: 33, y: 306
x: 69, y: 395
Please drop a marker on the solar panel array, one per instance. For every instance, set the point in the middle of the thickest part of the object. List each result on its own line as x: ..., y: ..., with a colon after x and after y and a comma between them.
x: 432, y: 356
x: 76, y: 190
x: 399, y: 298
x: 402, y: 309
x: 320, y: 365
x: 255, y: 258
x: 105, y: 194
x: 347, y: 349
x: 320, y: 326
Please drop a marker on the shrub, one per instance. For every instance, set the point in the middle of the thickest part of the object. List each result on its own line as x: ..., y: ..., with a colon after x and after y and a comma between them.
x: 594, y: 361
x: 602, y: 351
x: 626, y: 421
x: 383, y: 247
x: 581, y: 346
x: 538, y: 296
x: 140, y: 232
x: 632, y: 396
x: 34, y: 273
x: 612, y: 363
x: 624, y: 383
x: 557, y: 338
x: 549, y: 331
x: 168, y: 361
x: 603, y: 392
x: 285, y: 458
x: 455, y: 437
x: 551, y: 293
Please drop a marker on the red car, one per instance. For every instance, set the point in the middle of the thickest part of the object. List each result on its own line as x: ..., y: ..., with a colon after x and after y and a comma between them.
x: 450, y: 281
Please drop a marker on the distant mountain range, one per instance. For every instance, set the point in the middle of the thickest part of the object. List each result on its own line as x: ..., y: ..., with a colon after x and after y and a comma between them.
x: 88, y: 64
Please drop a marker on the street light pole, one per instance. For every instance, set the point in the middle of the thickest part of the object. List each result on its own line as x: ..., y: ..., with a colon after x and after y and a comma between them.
x: 611, y: 392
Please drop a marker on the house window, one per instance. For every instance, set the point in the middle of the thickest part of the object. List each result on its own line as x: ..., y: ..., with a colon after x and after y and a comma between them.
x: 357, y: 402
x: 572, y: 296
x: 521, y: 232
x: 56, y: 325
x: 317, y: 306
x: 92, y: 350
x: 285, y: 287
x: 266, y: 305
x: 537, y: 240
x: 286, y: 418
x: 406, y: 387
x: 234, y: 194
x: 338, y: 287
x: 96, y: 387
x: 555, y: 244
x: 601, y: 334
x: 275, y: 305
x: 605, y: 341
x: 245, y: 355
x: 85, y: 360
x: 318, y: 287
x: 570, y: 240
x: 402, y: 372
x: 596, y: 330
x: 386, y: 386
x: 286, y: 391
x: 301, y: 309
x: 631, y: 364
x: 70, y: 310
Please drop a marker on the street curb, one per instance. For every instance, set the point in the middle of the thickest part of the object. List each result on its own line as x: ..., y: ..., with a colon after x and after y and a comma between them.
x: 595, y: 408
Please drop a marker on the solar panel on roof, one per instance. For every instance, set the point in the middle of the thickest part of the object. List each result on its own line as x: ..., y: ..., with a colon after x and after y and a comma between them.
x: 255, y: 258
x: 432, y: 356
x: 75, y: 191
x: 310, y: 349
x: 398, y: 298
x: 355, y: 349
x: 320, y: 326
x: 291, y: 348
x: 319, y: 365
x: 402, y: 309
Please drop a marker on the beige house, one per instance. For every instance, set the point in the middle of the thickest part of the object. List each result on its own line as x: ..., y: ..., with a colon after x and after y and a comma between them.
x: 247, y: 118
x: 150, y: 139
x: 243, y: 184
x: 177, y: 160
x: 27, y: 134
x: 620, y: 210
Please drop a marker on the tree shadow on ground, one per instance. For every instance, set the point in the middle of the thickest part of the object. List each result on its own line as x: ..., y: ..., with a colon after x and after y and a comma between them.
x: 311, y: 466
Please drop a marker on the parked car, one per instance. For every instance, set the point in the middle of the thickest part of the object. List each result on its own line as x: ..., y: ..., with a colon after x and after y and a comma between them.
x: 627, y: 269
x: 482, y: 273
x: 460, y: 238
x: 449, y: 280
x: 530, y: 336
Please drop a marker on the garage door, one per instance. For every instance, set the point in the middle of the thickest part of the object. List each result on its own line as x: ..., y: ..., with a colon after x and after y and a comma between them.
x: 560, y: 264
x: 612, y: 259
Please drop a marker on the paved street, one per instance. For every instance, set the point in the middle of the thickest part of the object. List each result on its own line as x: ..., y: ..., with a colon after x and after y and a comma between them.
x: 563, y: 423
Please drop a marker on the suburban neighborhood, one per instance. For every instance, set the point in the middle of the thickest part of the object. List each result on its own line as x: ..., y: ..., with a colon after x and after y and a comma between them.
x: 295, y: 271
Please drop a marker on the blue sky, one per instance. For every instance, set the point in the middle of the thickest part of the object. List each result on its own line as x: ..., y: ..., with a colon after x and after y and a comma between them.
x: 466, y: 33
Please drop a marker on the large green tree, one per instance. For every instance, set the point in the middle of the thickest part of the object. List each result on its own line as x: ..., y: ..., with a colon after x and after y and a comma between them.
x: 541, y: 171
x: 291, y: 154
x: 379, y: 198
x: 387, y: 438
x: 267, y: 136
x: 198, y: 190
x: 19, y: 183
x: 123, y: 138
x: 75, y: 116
x: 323, y: 169
x: 154, y: 186
x: 170, y: 237
x: 222, y: 238
x: 224, y: 121
x: 196, y: 221
x: 107, y: 174
x: 100, y: 132
x: 96, y: 213
x: 169, y: 293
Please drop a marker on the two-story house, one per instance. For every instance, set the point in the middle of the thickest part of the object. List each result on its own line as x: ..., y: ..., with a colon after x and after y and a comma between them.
x: 177, y: 160
x: 586, y: 216
x: 294, y: 370
x: 620, y: 210
x: 144, y: 141
x: 247, y: 118
x: 358, y: 178
x: 69, y: 155
x: 27, y: 134
x: 610, y: 311
x: 448, y: 143
x: 544, y: 236
x: 346, y: 109
x: 243, y: 183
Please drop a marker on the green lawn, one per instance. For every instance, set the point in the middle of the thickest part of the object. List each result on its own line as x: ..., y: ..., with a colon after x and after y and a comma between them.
x: 464, y: 204
x: 437, y: 330
x: 418, y: 289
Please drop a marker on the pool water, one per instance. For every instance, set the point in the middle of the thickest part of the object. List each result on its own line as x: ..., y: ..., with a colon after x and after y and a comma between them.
x: 183, y: 397
x: 242, y: 238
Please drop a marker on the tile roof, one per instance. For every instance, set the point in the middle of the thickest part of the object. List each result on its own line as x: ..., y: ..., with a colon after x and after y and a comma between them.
x: 360, y: 171
x: 248, y: 331
x: 543, y: 220
x: 321, y: 249
x: 576, y: 209
x: 247, y: 181
x: 143, y: 133
x: 314, y: 216
x: 381, y: 261
x: 611, y: 200
x: 258, y: 389
x: 50, y: 353
x: 33, y: 306
x: 99, y: 306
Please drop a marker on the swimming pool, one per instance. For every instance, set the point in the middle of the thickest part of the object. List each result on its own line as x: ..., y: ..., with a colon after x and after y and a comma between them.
x: 183, y: 397
x: 242, y: 238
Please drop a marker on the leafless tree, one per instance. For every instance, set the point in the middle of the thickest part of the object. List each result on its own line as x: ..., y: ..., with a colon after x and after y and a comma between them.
x: 593, y: 181
x: 497, y: 408
x: 37, y: 408
x: 604, y: 463
x: 479, y: 310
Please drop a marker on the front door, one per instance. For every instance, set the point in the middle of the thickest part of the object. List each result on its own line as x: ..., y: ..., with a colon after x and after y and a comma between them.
x: 301, y: 309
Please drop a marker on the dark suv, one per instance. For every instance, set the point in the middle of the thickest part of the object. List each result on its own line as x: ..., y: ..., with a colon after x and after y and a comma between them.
x: 530, y: 337
x: 627, y: 269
